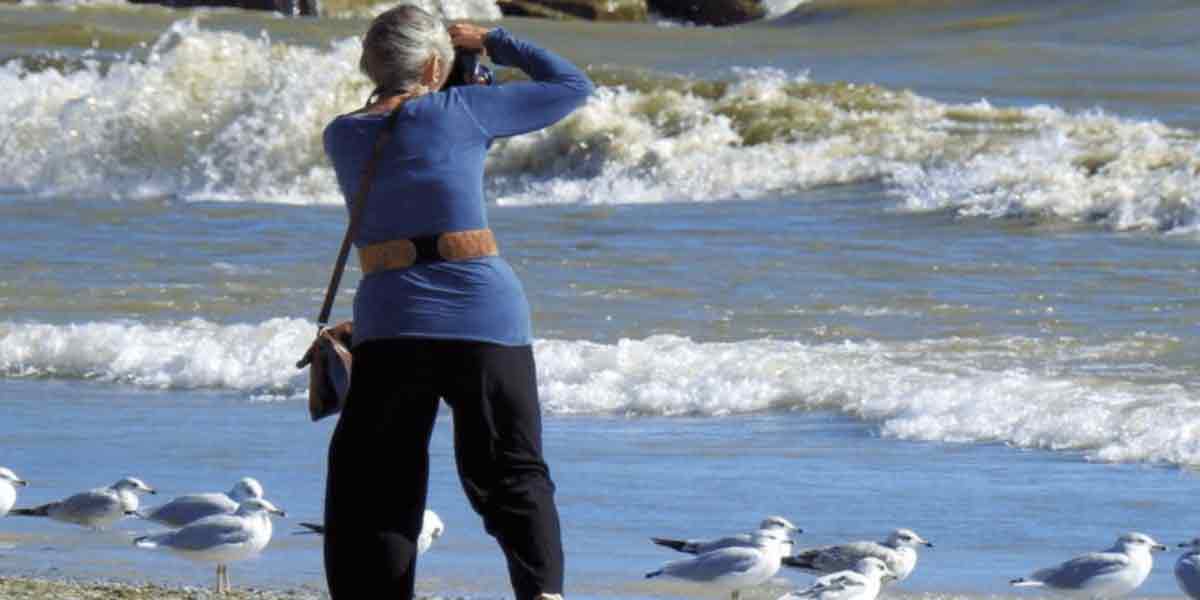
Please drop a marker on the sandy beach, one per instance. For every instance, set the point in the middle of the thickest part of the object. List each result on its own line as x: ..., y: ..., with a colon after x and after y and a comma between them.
x: 21, y: 588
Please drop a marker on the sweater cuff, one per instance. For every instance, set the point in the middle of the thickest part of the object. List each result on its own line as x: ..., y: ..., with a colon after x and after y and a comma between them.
x: 496, y: 43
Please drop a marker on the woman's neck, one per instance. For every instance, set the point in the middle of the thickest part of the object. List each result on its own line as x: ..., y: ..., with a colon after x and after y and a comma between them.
x: 387, y: 103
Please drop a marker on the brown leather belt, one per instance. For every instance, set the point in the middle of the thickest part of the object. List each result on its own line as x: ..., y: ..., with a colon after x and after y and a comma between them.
x: 404, y: 253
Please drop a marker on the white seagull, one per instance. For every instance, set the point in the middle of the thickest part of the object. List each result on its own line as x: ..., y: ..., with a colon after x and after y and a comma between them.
x: 432, y: 528
x: 735, y: 568
x: 898, y: 552
x: 8, y: 489
x: 1110, y: 574
x: 860, y: 583
x: 221, y: 539
x: 193, y: 507
x: 96, y: 508
x: 743, y: 540
x: 1187, y: 569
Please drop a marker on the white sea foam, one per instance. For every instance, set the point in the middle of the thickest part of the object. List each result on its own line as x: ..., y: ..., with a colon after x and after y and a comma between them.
x: 207, y: 115
x: 473, y: 10
x: 1026, y: 392
x: 189, y: 354
x: 218, y: 115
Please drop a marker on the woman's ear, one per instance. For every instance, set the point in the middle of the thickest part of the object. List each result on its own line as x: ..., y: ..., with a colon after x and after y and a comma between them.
x: 431, y: 75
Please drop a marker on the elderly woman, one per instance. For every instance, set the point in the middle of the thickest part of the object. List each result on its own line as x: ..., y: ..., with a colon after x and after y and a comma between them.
x: 438, y: 313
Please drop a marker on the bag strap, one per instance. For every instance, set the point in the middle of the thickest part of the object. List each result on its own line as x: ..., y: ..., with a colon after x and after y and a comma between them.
x: 356, y: 212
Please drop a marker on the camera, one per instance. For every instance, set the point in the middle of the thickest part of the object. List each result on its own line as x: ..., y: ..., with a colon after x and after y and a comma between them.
x: 468, y: 69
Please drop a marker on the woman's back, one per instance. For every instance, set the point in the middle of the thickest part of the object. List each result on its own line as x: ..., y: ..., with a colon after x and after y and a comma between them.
x: 429, y: 180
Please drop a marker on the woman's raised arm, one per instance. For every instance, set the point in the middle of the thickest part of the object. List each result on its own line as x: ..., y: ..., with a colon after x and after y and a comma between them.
x: 558, y: 87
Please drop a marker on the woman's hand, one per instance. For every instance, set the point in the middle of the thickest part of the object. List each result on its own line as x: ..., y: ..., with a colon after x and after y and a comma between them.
x: 468, y: 36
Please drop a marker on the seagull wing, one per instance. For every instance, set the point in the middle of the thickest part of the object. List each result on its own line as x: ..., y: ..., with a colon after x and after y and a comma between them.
x: 208, y: 533
x: 742, y: 540
x: 843, y: 584
x: 843, y: 557
x: 191, y: 508
x: 1074, y: 572
x: 714, y: 565
x: 85, y: 507
x: 1187, y: 573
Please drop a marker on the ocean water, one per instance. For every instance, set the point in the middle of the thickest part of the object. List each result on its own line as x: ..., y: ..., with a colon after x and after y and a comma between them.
x: 866, y: 265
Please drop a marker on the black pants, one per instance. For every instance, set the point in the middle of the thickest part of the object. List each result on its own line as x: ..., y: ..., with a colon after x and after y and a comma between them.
x: 379, y: 464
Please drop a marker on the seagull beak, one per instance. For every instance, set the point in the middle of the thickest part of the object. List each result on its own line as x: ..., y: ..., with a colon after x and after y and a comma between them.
x: 1159, y: 547
x: 21, y: 482
x: 150, y: 490
x: 928, y: 544
x: 279, y: 512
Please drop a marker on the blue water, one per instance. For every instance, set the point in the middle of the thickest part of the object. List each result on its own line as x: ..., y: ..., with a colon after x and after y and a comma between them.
x: 992, y: 512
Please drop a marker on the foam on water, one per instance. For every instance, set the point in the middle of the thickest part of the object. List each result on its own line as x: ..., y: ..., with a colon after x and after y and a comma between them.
x: 221, y: 116
x: 207, y: 115
x: 1031, y: 393
x: 474, y: 10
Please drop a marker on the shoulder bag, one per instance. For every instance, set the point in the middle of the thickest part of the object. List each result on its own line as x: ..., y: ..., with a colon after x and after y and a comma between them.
x: 328, y: 358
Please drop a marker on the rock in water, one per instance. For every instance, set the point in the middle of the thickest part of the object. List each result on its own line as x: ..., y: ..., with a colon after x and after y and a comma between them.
x: 591, y: 10
x: 711, y: 12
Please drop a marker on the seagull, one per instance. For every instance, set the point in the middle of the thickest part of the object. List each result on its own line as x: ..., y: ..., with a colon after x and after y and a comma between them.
x: 743, y: 540
x: 860, y: 583
x: 734, y: 568
x: 221, y: 538
x: 8, y: 489
x: 1187, y: 569
x: 1110, y: 574
x: 898, y: 552
x: 192, y: 507
x: 432, y: 528
x: 97, y: 508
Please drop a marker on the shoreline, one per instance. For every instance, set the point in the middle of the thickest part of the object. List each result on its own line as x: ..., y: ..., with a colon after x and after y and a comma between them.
x: 41, y: 588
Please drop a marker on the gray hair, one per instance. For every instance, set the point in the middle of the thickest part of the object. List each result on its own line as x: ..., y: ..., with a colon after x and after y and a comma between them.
x: 399, y: 43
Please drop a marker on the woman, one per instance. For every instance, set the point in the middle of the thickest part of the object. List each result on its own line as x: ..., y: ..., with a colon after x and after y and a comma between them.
x: 438, y: 313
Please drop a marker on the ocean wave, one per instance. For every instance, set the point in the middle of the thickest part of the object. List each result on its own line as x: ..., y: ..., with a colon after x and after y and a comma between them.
x: 454, y: 10
x: 222, y: 116
x: 1029, y: 393
x: 474, y: 10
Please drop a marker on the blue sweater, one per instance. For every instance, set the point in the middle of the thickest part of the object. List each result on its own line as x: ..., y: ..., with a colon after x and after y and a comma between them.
x: 429, y: 180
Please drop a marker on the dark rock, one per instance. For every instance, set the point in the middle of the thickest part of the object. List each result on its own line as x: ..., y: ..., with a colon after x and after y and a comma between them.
x: 306, y: 8
x: 592, y: 10
x: 711, y: 12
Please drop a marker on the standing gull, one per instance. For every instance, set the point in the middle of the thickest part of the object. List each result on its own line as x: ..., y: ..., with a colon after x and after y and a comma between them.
x: 1187, y: 569
x: 1109, y: 574
x: 97, y: 508
x: 193, y: 507
x: 432, y: 528
x: 221, y: 539
x: 860, y: 583
x: 898, y: 552
x: 734, y: 568
x: 8, y: 489
x: 743, y: 540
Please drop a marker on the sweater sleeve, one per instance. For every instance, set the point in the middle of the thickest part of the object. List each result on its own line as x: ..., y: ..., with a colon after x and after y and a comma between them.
x: 558, y: 87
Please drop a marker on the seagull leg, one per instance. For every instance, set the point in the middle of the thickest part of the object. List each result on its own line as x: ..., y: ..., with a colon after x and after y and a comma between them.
x: 734, y: 594
x: 228, y: 582
x: 218, y: 590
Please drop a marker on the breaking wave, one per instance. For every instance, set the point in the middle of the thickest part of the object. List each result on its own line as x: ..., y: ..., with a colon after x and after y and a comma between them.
x: 221, y: 116
x: 1025, y: 392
